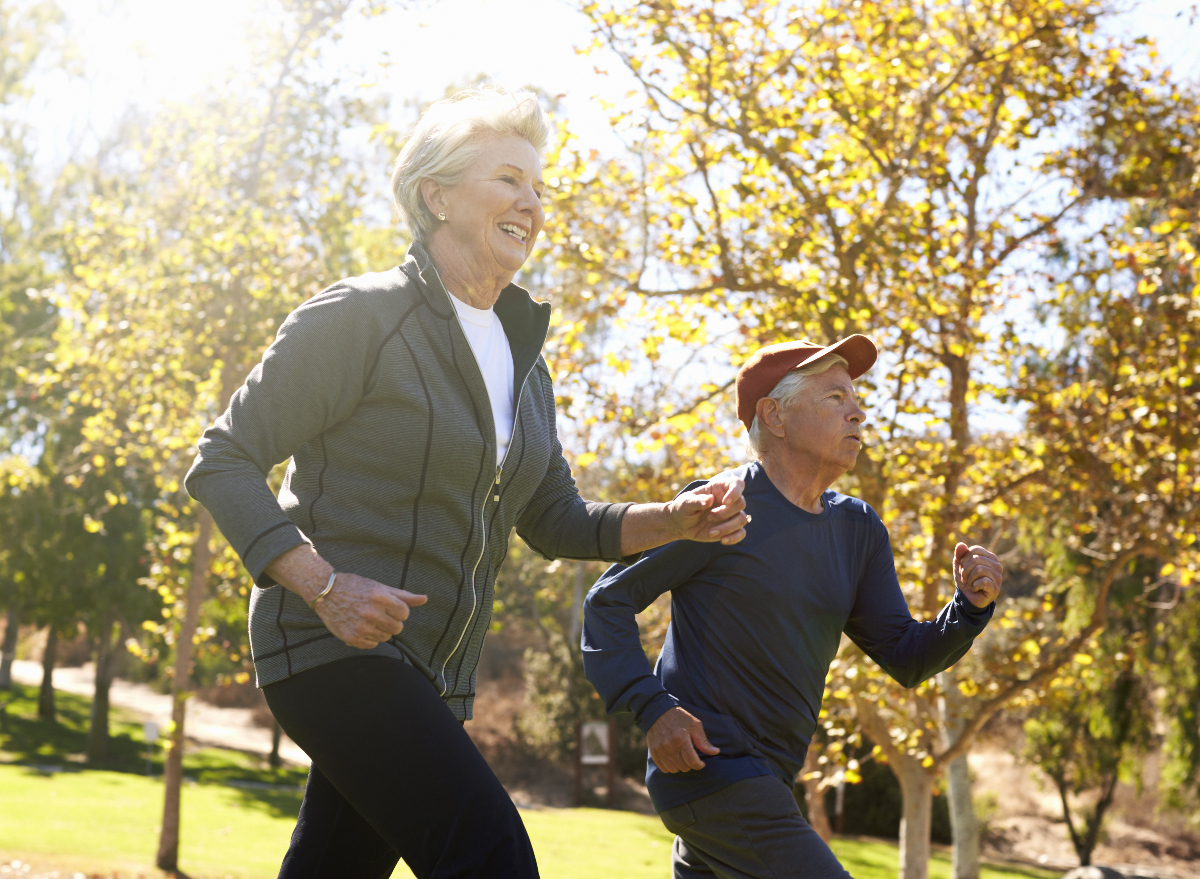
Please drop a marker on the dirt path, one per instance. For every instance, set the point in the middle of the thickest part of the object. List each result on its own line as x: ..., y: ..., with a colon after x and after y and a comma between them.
x: 206, y: 724
x: 1025, y: 822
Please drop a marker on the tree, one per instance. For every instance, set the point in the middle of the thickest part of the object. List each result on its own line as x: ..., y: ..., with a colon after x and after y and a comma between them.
x: 899, y: 169
x: 32, y: 40
x: 1117, y: 407
x: 208, y: 222
x: 1090, y: 730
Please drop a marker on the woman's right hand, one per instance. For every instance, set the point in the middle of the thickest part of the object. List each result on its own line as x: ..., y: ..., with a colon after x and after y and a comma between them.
x: 360, y: 611
x: 363, y: 612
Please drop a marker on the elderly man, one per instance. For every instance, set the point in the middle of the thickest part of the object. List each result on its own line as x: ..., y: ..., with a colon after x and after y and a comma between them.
x: 733, y: 702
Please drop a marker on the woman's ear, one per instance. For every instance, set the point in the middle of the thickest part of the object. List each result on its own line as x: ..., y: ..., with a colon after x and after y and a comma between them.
x: 434, y: 195
x: 770, y: 415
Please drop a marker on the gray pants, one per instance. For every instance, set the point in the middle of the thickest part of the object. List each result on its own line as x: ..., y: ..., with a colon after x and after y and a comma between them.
x: 750, y: 830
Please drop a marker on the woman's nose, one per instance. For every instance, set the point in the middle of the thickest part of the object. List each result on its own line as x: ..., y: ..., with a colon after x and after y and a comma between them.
x: 530, y: 201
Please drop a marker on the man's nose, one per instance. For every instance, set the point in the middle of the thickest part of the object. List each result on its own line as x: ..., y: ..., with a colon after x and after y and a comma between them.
x: 858, y: 416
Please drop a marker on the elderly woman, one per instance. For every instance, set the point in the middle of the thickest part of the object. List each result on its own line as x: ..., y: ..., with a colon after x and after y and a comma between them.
x: 419, y: 416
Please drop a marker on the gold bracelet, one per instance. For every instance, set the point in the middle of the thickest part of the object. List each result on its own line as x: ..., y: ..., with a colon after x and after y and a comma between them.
x: 312, y: 605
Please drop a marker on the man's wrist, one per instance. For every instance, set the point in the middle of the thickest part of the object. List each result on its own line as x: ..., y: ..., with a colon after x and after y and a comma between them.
x: 970, y: 608
x: 658, y: 706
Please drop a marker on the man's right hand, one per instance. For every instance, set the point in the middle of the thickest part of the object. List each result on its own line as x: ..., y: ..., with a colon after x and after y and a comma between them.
x: 674, y: 740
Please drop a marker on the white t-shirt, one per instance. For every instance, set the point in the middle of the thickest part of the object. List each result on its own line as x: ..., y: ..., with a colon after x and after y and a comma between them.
x: 494, y: 356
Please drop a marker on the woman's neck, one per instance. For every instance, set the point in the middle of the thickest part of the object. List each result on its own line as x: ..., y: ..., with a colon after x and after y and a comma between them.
x: 463, y: 280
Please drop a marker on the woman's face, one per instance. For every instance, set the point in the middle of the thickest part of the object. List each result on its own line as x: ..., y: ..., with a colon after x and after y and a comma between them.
x: 494, y: 214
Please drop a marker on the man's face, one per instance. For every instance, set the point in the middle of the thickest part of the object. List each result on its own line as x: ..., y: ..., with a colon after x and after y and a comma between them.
x: 822, y: 426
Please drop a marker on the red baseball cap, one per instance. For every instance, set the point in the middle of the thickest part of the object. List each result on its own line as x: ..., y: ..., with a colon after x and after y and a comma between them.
x: 766, y: 366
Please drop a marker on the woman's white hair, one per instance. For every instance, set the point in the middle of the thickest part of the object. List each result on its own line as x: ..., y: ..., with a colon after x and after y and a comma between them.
x: 450, y: 136
x: 788, y: 388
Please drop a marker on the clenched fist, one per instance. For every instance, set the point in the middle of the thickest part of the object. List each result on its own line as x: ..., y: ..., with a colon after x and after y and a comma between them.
x: 978, y: 574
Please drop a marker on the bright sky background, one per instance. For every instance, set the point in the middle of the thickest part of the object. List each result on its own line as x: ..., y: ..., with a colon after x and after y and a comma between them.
x: 144, y: 50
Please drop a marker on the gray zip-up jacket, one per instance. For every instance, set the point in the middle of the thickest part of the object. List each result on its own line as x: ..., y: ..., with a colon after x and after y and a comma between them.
x: 372, y: 389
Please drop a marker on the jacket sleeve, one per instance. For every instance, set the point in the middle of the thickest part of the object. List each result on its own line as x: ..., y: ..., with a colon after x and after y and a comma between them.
x: 310, y: 378
x: 557, y: 522
x: 613, y: 658
x: 881, y: 624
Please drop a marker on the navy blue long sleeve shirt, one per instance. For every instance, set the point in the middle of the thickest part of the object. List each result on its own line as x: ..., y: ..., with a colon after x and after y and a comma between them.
x: 754, y: 627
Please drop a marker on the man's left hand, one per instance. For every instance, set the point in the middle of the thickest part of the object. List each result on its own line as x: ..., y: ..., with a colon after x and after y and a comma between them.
x: 978, y: 574
x: 714, y: 511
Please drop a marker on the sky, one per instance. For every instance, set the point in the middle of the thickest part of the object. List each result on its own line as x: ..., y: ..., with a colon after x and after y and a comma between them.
x: 145, y: 50
x: 142, y: 51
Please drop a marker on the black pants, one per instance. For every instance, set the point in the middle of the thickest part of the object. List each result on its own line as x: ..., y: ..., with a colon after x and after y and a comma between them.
x: 394, y: 775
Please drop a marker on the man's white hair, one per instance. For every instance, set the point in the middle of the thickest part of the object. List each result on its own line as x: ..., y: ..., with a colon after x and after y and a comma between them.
x: 788, y: 388
x: 451, y: 135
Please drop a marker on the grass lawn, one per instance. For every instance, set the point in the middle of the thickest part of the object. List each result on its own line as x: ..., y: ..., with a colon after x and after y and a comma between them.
x: 25, y: 739
x: 101, y: 821
x: 106, y: 820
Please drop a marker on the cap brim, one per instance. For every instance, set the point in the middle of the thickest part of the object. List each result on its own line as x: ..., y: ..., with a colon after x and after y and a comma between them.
x: 859, y: 351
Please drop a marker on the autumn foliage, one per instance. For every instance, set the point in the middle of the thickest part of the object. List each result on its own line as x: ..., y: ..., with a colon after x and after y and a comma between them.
x: 1002, y: 194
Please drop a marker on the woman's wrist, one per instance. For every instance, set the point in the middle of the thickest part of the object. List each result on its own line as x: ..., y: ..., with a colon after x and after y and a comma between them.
x: 312, y: 605
x: 645, y: 526
x: 301, y: 570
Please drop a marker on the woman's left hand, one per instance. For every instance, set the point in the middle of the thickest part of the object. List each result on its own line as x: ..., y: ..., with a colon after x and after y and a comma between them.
x: 714, y: 511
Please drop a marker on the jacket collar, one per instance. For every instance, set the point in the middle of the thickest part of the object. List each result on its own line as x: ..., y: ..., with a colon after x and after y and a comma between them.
x: 525, y: 321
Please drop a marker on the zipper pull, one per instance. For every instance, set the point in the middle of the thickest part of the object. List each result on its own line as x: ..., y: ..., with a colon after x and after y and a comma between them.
x: 496, y: 496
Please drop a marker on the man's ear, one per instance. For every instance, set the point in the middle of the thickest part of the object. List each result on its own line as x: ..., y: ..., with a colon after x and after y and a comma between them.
x: 770, y: 415
x: 434, y: 195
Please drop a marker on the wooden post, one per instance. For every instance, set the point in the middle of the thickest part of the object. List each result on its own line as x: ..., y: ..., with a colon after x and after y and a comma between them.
x: 46, y: 693
x: 578, y: 763
x: 8, y: 651
x: 276, y: 736
x: 839, y: 808
x: 612, y: 763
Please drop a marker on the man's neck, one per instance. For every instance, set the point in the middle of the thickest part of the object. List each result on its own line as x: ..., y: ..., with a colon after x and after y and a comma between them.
x: 801, y: 485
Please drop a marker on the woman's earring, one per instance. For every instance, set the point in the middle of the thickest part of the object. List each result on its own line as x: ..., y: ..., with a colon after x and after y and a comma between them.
x: 442, y: 217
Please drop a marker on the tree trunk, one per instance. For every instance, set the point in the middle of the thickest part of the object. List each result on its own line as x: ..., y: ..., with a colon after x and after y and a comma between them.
x: 8, y: 652
x: 576, y: 629
x: 916, y: 822
x: 817, y: 818
x: 168, y: 843
x: 46, y: 696
x: 108, y: 654
x: 964, y: 823
x: 916, y: 788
